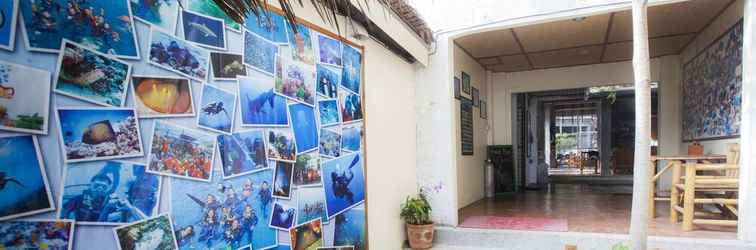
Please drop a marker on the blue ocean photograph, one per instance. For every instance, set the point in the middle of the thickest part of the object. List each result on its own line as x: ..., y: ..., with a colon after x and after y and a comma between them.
x: 351, y: 137
x: 204, y: 30
x: 210, y: 8
x: 90, y: 134
x: 37, y: 234
x: 177, y: 55
x: 301, y: 44
x: 351, y: 106
x: 329, y: 50
x: 327, y: 80
x: 25, y: 110
x: 283, y: 216
x: 343, y: 183
x: 307, y: 170
x: 271, y: 26
x: 305, y: 127
x: 259, y: 53
x: 310, y: 204
x: 25, y: 190
x: 161, y: 13
x: 123, y: 192
x: 91, y: 76
x: 349, y: 229
x: 47, y: 23
x: 330, y: 143
x: 280, y: 145
x: 245, y: 202
x: 259, y: 104
x: 8, y: 17
x: 352, y: 74
x: 282, y: 180
x: 217, y: 109
x: 328, y: 111
x: 242, y: 153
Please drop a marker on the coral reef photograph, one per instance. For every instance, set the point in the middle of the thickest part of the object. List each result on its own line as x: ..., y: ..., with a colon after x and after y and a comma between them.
x: 91, y: 76
x: 38, y: 234
x: 152, y: 233
x: 280, y: 144
x: 307, y: 170
x: 90, y: 134
x: 298, y: 83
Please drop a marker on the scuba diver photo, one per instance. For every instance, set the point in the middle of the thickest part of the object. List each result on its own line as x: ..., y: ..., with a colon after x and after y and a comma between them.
x: 310, y: 205
x: 177, y: 55
x: 327, y: 80
x: 283, y: 216
x: 343, y: 183
x: 24, y: 189
x: 224, y: 214
x: 217, y: 109
x: 242, y: 153
x: 108, y: 193
x: 181, y: 152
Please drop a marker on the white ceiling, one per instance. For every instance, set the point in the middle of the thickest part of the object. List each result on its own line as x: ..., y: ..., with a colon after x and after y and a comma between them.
x: 595, y: 39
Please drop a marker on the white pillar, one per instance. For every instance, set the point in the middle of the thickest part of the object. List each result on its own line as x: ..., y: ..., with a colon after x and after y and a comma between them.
x: 747, y: 194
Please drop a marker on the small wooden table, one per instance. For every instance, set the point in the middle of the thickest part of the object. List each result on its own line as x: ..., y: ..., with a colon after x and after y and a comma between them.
x: 673, y: 160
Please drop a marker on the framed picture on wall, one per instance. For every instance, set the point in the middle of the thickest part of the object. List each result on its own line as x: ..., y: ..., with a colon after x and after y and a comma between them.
x: 465, y: 83
x: 457, y: 95
x: 483, y: 109
x: 475, y: 97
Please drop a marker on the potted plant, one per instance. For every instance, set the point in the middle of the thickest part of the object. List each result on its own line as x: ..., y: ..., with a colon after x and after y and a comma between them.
x: 416, y: 212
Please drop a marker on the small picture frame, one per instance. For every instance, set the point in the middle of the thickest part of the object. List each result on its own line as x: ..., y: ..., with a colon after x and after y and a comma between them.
x: 457, y: 94
x: 475, y: 97
x: 465, y: 83
x: 483, y: 109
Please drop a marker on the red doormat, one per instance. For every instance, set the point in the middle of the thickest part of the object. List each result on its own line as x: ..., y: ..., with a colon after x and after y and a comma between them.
x: 515, y: 223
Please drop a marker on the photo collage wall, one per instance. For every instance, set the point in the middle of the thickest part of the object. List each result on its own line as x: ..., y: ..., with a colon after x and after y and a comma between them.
x: 135, y: 124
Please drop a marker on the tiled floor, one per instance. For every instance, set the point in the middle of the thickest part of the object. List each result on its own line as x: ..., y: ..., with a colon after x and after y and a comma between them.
x: 587, y: 210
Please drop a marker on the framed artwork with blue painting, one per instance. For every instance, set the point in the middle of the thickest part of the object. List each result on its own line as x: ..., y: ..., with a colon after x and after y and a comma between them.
x: 712, y: 89
x: 8, y: 17
x: 47, y: 23
x: 202, y: 30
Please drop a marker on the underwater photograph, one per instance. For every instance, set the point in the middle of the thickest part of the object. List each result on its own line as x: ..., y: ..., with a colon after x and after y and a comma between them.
x: 329, y: 50
x: 37, y: 234
x: 159, y: 96
x: 351, y: 106
x: 91, y: 76
x: 24, y: 186
x: 310, y: 204
x: 283, y: 216
x: 242, y: 153
x: 47, y: 23
x: 244, y: 204
x: 307, y: 170
x: 108, y: 193
x: 22, y: 107
x: 330, y: 143
x: 327, y: 80
x: 282, y: 180
x: 280, y: 144
x: 177, y: 55
x: 9, y: 13
x: 217, y: 109
x: 298, y: 83
x: 160, y: 13
x: 343, y: 183
x: 259, y: 104
x: 259, y: 53
x: 271, y: 27
x: 305, y: 127
x: 181, y: 152
x: 90, y: 134
x: 152, y: 233
x: 350, y: 229
x: 301, y: 44
x: 328, y: 111
x: 352, y: 74
x: 203, y: 30
x: 209, y: 8
x: 351, y: 137
x: 226, y: 66
x: 307, y: 236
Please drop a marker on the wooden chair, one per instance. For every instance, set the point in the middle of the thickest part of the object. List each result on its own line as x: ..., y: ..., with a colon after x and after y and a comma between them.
x: 706, y: 183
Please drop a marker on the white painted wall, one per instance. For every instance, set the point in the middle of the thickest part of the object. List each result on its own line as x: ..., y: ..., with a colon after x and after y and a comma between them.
x: 470, y: 168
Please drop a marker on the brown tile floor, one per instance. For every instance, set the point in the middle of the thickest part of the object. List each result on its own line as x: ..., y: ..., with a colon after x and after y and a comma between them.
x: 587, y: 210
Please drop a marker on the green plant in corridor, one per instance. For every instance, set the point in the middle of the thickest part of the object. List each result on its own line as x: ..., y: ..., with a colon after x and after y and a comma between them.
x: 416, y: 210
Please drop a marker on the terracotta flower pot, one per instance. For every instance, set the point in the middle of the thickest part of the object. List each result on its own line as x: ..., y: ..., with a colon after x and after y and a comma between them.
x: 420, y: 236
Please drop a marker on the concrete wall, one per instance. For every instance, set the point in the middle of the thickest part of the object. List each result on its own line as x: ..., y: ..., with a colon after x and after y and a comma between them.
x: 470, y: 170
x: 721, y: 24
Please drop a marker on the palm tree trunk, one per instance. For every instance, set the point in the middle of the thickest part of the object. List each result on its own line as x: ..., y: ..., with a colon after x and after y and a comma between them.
x: 641, y: 177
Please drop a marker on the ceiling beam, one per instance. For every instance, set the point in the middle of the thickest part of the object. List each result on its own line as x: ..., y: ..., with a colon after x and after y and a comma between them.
x: 522, y: 48
x: 606, y: 36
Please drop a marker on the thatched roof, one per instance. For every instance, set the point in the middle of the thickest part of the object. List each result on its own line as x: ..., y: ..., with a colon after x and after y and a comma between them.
x: 412, y: 18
